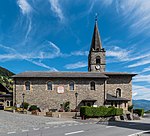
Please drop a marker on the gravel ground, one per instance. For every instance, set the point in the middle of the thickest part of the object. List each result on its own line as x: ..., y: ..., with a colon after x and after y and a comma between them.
x: 15, y: 121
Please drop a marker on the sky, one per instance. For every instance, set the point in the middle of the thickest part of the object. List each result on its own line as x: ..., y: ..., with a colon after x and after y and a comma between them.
x: 55, y: 35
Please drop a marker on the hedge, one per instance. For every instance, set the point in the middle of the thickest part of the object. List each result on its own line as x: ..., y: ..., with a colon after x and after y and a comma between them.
x: 100, y: 111
x: 140, y: 112
x: 33, y: 107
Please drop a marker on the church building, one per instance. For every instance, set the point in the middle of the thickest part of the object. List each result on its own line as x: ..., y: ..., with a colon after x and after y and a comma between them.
x: 49, y: 90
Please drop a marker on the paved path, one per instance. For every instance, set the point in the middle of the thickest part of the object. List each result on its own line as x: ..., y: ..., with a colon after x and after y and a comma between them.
x: 28, y: 125
x: 10, y: 122
x: 83, y: 129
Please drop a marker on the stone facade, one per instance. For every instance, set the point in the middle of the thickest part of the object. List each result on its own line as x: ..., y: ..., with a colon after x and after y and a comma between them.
x: 51, y: 99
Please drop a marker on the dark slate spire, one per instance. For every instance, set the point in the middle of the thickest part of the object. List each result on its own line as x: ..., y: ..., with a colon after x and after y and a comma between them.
x: 96, y: 41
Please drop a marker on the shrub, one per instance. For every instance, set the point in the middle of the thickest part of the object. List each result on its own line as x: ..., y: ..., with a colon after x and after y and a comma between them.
x: 111, y: 107
x: 67, y: 106
x: 33, y: 108
x: 119, y: 112
x: 25, y: 105
x: 130, y: 108
x: 140, y: 112
x: 100, y: 111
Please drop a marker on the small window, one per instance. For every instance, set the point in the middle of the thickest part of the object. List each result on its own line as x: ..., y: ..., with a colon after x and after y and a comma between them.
x: 49, y: 85
x: 27, y: 85
x: 8, y: 104
x: 92, y: 85
x: 98, y: 60
x: 71, y: 86
x: 125, y: 104
x: 118, y: 92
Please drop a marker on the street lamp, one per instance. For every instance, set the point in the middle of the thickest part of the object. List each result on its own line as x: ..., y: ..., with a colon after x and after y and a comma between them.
x: 23, y: 101
x: 76, y: 95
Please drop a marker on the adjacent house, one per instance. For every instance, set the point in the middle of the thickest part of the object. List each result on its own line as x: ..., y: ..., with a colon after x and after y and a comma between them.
x: 5, y: 97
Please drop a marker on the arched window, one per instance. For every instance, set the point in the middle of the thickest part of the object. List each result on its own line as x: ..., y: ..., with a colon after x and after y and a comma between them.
x: 49, y: 85
x: 71, y: 86
x: 8, y: 103
x: 27, y: 85
x: 118, y: 92
x: 92, y: 85
x: 98, y: 60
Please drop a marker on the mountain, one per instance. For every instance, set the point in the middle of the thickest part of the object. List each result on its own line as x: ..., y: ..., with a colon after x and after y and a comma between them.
x: 5, y: 72
x: 144, y: 104
x: 5, y: 78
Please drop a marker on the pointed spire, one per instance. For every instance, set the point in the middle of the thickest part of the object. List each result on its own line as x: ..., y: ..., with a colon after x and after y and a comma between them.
x: 96, y: 41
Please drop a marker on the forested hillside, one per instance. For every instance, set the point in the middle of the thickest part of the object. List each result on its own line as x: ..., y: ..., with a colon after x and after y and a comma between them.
x: 5, y: 78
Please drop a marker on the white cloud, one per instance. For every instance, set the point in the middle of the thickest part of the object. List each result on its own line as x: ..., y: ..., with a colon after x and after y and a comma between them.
x: 76, y: 65
x: 146, y: 69
x: 46, y: 50
x: 80, y: 53
x: 26, y: 9
x: 24, y: 6
x: 142, y: 78
x: 29, y: 28
x: 92, y: 3
x: 118, y: 53
x: 13, y: 54
x: 136, y: 14
x: 107, y: 2
x: 141, y: 92
x: 128, y: 55
x: 55, y: 7
x: 42, y: 65
x: 140, y: 63
x: 7, y: 57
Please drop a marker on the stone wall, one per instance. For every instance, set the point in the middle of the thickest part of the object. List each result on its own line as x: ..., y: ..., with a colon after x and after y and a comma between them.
x: 122, y: 82
x: 46, y: 99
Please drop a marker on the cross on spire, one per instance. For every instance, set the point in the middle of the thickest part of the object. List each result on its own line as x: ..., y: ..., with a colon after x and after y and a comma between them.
x: 96, y: 17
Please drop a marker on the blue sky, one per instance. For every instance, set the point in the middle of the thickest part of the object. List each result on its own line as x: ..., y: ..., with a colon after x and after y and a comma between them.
x: 55, y: 35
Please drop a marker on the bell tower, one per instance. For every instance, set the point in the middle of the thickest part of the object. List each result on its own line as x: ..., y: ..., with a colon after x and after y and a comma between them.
x: 96, y: 58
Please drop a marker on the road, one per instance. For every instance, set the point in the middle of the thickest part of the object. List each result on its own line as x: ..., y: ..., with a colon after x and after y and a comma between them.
x: 84, y: 128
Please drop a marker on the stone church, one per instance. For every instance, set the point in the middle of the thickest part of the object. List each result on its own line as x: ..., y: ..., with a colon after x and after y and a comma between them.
x: 49, y: 90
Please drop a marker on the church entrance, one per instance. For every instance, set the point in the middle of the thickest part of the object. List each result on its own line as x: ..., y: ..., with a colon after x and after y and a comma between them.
x: 88, y: 102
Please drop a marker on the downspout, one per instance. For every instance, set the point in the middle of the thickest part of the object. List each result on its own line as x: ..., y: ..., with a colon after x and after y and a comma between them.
x: 14, y: 92
x: 105, y: 81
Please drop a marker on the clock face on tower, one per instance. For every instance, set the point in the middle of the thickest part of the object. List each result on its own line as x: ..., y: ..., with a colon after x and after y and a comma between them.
x: 97, y: 67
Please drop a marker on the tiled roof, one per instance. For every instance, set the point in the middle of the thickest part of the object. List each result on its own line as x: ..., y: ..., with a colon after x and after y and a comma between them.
x: 71, y: 74
x: 114, y: 98
x: 118, y: 73
x: 62, y: 74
